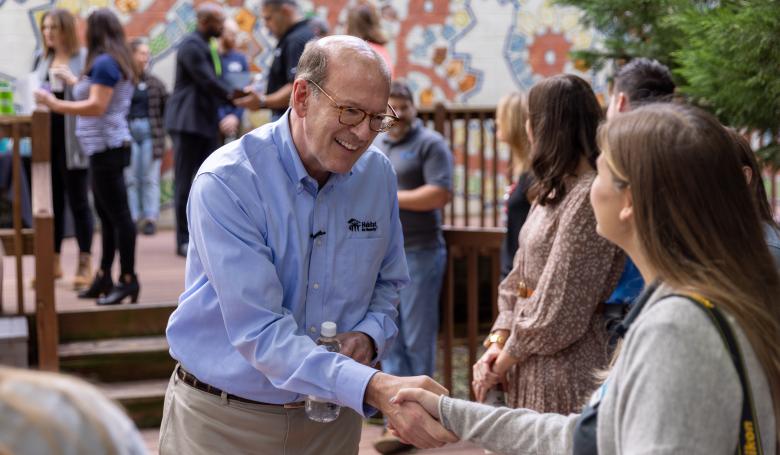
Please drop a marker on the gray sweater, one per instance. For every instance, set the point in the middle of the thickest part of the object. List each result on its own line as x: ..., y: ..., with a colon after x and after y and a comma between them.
x: 673, y: 390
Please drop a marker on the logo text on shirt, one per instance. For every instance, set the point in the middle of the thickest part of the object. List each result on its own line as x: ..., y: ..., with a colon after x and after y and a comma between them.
x: 361, y: 226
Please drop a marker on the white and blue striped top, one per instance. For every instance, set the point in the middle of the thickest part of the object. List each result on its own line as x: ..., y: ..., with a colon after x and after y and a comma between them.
x: 110, y: 130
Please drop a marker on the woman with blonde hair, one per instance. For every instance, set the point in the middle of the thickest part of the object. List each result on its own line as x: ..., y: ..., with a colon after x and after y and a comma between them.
x: 699, y: 369
x: 57, y: 414
x: 511, y: 115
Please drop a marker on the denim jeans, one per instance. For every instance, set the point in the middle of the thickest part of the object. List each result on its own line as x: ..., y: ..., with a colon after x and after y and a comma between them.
x: 143, y: 174
x: 414, y: 350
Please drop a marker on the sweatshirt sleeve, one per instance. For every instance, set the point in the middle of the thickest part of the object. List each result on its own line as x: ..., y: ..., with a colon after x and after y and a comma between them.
x: 505, y: 430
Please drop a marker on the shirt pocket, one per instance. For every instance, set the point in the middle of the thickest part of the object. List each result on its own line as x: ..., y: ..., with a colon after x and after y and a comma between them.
x: 357, y: 273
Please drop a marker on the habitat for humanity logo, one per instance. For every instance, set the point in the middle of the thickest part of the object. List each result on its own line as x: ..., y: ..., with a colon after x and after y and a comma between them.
x: 361, y: 226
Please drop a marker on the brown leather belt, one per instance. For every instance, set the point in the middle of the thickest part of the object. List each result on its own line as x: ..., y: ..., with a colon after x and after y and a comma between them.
x: 190, y: 379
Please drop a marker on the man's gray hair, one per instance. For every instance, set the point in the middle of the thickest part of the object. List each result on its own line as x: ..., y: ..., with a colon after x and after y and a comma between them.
x: 313, y: 64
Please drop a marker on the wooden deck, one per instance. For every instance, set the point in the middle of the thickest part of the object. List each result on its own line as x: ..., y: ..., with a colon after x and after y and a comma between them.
x: 161, y: 273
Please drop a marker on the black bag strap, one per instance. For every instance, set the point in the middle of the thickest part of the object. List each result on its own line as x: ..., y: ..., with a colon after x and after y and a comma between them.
x: 749, y: 435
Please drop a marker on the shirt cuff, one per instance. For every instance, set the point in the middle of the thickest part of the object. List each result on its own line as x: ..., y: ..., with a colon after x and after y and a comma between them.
x: 352, y: 380
x: 372, y: 329
x: 445, y: 407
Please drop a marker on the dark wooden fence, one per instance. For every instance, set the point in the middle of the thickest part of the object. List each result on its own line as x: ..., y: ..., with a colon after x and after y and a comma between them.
x: 39, y: 240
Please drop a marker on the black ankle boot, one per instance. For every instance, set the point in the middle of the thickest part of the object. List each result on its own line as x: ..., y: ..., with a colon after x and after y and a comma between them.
x: 101, y: 285
x: 126, y: 287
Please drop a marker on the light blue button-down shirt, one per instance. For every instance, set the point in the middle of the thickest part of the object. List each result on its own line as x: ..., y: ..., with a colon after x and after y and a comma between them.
x: 258, y: 286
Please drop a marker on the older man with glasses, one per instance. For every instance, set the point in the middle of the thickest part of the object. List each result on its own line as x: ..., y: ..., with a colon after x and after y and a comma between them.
x: 293, y: 225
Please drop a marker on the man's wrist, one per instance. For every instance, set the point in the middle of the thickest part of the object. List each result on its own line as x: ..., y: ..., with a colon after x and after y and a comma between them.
x: 263, y: 101
x: 376, y: 391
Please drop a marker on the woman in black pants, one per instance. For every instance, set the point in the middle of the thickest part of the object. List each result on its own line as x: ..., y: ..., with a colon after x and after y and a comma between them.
x: 102, y: 103
x: 57, y: 63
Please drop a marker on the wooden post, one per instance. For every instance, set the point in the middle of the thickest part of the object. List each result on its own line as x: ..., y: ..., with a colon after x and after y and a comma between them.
x: 448, y: 326
x: 472, y: 310
x: 16, y: 172
x: 43, y: 223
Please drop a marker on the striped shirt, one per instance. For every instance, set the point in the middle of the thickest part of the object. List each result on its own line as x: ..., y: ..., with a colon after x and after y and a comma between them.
x: 110, y: 130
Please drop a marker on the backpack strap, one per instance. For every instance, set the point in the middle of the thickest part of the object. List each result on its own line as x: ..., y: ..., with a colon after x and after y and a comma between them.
x: 749, y: 435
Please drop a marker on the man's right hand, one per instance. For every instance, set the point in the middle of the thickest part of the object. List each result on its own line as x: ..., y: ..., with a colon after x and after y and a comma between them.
x: 409, y: 420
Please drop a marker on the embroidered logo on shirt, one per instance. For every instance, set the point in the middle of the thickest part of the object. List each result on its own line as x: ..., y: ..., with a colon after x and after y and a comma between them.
x: 361, y: 226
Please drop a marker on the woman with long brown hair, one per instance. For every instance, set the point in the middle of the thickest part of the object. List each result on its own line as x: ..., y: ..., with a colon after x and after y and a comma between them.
x: 549, y: 334
x: 753, y: 175
x: 363, y: 21
x: 102, y: 102
x: 699, y: 369
x: 57, y: 63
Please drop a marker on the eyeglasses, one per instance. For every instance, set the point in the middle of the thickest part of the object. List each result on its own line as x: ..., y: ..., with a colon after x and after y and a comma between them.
x: 352, y: 116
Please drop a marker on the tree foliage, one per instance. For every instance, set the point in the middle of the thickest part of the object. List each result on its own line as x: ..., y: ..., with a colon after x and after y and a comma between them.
x: 725, y: 54
x: 730, y: 63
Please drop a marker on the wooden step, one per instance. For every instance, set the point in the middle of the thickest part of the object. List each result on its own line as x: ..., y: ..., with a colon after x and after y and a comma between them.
x: 122, y: 321
x: 143, y: 400
x: 118, y: 360
x: 8, y: 243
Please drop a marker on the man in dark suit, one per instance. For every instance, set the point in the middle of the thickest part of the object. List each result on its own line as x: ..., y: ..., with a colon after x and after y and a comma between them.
x: 191, y: 114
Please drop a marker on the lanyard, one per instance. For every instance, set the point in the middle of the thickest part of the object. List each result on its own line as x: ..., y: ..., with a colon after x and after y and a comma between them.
x: 749, y: 435
x: 214, y: 46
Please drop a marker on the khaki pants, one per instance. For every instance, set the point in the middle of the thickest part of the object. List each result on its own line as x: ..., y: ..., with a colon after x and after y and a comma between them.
x: 195, y: 422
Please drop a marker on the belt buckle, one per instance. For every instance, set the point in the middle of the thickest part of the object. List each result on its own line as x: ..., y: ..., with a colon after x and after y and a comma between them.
x: 522, y: 290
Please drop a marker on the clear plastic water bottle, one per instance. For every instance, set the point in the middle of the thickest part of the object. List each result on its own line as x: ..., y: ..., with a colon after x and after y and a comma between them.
x: 318, y: 409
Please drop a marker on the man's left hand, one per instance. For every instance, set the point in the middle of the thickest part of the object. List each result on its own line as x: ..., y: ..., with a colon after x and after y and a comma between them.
x: 357, y: 345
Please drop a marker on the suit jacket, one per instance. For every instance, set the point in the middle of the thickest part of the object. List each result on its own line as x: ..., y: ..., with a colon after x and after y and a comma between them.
x: 198, y: 93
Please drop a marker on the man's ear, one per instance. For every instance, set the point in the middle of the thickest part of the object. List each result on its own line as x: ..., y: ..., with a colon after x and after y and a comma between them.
x: 622, y: 102
x: 300, y: 97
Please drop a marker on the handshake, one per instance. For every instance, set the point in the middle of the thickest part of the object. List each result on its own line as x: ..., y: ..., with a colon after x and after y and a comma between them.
x: 411, y: 406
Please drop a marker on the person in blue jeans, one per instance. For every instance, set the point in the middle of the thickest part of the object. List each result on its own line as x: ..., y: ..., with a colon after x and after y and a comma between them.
x: 148, y: 142
x: 423, y: 163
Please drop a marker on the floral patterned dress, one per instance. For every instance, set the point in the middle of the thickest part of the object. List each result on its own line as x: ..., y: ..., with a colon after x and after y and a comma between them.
x: 557, y: 331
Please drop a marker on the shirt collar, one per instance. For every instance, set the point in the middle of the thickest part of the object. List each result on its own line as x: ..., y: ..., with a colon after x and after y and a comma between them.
x: 295, y: 26
x: 291, y: 160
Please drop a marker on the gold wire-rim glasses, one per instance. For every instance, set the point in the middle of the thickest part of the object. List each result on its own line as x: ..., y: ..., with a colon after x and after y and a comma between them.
x: 386, y: 121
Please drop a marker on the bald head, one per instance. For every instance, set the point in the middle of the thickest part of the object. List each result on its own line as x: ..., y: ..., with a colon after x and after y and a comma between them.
x: 211, y: 19
x: 313, y: 64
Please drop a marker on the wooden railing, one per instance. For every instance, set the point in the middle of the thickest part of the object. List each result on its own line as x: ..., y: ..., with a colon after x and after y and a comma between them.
x: 38, y: 128
x: 481, y: 164
x: 469, y: 244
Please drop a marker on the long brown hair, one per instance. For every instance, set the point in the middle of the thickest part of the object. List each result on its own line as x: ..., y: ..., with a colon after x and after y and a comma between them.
x: 748, y: 159
x: 512, y: 113
x: 66, y: 27
x: 564, y: 115
x: 363, y: 22
x: 105, y: 35
x: 696, y: 219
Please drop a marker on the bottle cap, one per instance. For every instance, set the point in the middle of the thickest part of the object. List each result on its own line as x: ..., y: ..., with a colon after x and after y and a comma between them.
x: 328, y: 329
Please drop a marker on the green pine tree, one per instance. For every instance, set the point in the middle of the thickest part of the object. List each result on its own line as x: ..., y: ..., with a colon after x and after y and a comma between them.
x: 731, y: 64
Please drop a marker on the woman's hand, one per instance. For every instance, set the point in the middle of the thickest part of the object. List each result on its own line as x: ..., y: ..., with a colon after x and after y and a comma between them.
x: 63, y: 72
x: 484, y: 376
x: 44, y: 98
x: 428, y: 400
